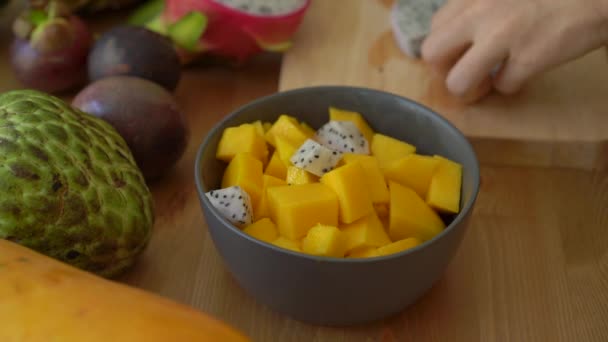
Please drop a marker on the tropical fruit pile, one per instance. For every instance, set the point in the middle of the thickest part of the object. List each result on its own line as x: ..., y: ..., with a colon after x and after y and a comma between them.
x: 342, y: 190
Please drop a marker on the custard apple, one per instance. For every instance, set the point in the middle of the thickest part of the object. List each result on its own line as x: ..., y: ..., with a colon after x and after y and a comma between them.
x: 69, y: 185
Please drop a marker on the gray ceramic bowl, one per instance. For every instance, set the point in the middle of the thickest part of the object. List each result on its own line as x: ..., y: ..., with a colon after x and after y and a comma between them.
x: 331, y: 291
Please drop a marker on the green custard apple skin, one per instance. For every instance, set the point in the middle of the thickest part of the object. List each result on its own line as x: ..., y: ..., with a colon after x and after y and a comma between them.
x: 69, y: 186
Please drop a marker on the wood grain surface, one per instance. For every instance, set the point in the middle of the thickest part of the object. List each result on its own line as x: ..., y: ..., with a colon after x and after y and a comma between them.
x: 532, y: 267
x: 559, y: 119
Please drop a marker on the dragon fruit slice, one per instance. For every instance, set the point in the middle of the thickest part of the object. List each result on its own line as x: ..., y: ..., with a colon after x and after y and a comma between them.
x: 233, y: 29
x: 315, y: 158
x: 233, y: 203
x: 411, y: 23
x: 343, y: 136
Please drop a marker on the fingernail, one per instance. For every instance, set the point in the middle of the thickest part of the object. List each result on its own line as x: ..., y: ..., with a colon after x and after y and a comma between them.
x: 455, y: 86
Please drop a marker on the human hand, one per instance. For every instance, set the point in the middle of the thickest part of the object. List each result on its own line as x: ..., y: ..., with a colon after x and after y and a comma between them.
x: 469, y: 38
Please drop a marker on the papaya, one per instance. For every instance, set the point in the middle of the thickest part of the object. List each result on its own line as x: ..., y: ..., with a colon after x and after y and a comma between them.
x: 42, y: 299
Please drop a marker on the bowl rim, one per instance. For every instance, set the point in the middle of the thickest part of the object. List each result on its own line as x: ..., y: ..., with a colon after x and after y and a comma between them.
x: 464, y: 212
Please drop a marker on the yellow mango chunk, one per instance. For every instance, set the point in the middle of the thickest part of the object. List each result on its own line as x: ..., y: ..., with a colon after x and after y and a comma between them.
x: 389, y: 150
x: 276, y: 167
x: 398, y: 246
x: 381, y: 209
x: 365, y: 252
x: 266, y: 126
x: 242, y: 139
x: 288, y: 128
x: 373, y: 174
x: 295, y: 176
x: 307, y: 129
x: 324, y: 240
x: 336, y: 114
x: 414, y: 171
x: 365, y: 232
x: 286, y: 243
x: 410, y: 216
x: 445, y: 187
x: 285, y: 149
x: 245, y: 171
x: 386, y: 222
x: 354, y: 195
x: 259, y: 128
x: 262, y: 209
x: 296, y: 208
x: 263, y: 229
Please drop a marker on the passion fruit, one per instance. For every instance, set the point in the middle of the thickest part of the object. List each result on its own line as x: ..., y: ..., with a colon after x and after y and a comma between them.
x: 145, y: 114
x: 135, y: 51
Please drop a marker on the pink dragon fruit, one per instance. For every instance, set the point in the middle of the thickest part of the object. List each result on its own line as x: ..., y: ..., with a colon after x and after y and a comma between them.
x: 235, y: 29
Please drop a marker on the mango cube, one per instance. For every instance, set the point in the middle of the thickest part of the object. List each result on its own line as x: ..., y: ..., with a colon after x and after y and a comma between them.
x: 324, y: 241
x: 398, y: 246
x: 350, y: 185
x: 266, y: 126
x: 262, y: 209
x: 286, y: 243
x: 386, y: 223
x: 245, y: 171
x: 373, y: 174
x: 263, y: 229
x: 365, y: 252
x: 389, y: 150
x: 276, y: 167
x: 336, y: 114
x: 381, y: 209
x: 295, y: 176
x: 307, y: 129
x: 259, y: 128
x: 365, y: 232
x: 289, y: 129
x: 285, y: 149
x: 414, y: 171
x: 410, y: 216
x: 296, y: 208
x: 242, y: 139
x: 445, y: 187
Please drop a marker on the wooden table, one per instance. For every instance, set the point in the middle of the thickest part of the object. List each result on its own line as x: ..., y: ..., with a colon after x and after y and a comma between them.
x: 532, y: 267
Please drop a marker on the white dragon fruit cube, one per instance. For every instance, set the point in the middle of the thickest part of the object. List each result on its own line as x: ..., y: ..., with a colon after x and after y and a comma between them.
x: 411, y: 23
x: 343, y: 136
x: 315, y: 158
x: 233, y: 203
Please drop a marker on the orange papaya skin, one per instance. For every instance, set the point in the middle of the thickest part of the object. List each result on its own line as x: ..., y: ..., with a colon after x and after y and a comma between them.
x: 42, y: 299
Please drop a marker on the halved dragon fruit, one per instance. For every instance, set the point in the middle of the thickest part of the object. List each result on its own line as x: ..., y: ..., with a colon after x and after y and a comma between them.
x: 235, y: 29
x: 343, y: 136
x: 315, y: 158
x: 233, y: 203
x: 411, y: 23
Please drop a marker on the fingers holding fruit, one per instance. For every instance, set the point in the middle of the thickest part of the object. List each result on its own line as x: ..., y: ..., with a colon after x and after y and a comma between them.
x: 509, y: 42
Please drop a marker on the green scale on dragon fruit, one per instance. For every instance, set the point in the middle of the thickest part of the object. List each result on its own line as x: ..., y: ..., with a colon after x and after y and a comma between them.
x: 238, y: 29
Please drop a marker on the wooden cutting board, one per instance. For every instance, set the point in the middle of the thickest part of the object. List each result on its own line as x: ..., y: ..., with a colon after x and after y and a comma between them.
x: 559, y: 119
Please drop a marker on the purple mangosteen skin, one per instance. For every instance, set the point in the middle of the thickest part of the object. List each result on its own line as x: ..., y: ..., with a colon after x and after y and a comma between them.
x: 53, y: 72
